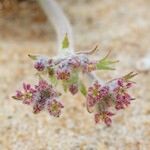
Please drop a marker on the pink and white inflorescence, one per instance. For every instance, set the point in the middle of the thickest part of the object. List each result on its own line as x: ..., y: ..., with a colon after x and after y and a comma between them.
x: 42, y: 97
x: 68, y: 71
x: 104, y: 97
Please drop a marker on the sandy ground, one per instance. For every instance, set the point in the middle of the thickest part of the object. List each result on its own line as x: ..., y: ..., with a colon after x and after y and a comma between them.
x: 122, y: 26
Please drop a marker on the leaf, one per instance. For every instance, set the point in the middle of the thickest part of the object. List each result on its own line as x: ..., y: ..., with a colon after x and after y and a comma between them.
x: 65, y: 42
x: 14, y: 97
x: 82, y: 88
x: 73, y: 78
x: 51, y: 71
x: 33, y: 57
x: 129, y: 75
x: 65, y: 86
x: 53, y: 80
x: 17, y: 98
x: 105, y: 64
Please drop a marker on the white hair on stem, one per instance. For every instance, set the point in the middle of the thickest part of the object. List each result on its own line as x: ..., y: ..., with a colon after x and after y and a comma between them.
x: 55, y: 15
x: 62, y: 25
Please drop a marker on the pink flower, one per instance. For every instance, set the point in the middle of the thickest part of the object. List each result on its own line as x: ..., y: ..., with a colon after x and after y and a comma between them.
x: 113, y: 94
x: 54, y: 108
x: 94, y: 94
x: 26, y: 96
x: 89, y: 67
x: 73, y: 88
x: 39, y: 66
x: 100, y: 98
x: 19, y: 95
x: 107, y: 121
x: 104, y: 91
x: 43, y: 85
x: 122, y: 98
x: 97, y: 118
x: 50, y: 63
x: 41, y: 63
x: 122, y: 101
x: 44, y: 92
x: 41, y: 97
x: 74, y: 62
x: 104, y: 117
x: 39, y: 105
x: 63, y: 73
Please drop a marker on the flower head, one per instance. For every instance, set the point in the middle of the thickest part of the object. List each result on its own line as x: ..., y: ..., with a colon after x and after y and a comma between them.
x: 120, y: 93
x: 104, y: 116
x: 94, y: 94
x: 41, y: 63
x: 44, y: 92
x: 74, y: 62
x: 63, y: 73
x: 67, y: 68
x: 113, y: 94
x: 73, y: 88
x: 54, y: 108
x: 26, y: 95
x: 89, y: 67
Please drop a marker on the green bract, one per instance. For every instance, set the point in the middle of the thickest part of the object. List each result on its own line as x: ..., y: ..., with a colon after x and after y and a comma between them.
x: 105, y: 63
x: 65, y: 42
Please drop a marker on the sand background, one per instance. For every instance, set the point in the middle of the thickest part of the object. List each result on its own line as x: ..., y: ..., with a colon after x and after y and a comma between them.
x: 120, y: 25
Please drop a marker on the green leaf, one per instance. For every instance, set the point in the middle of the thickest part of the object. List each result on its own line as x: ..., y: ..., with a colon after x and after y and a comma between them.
x: 65, y: 42
x: 73, y: 78
x: 129, y: 75
x: 51, y: 71
x: 105, y: 64
x: 65, y: 86
x: 33, y: 57
x: 82, y: 88
x: 14, y: 97
x: 53, y: 80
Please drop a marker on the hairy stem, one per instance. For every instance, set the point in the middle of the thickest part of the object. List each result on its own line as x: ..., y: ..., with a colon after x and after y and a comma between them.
x: 62, y: 26
x: 59, y: 20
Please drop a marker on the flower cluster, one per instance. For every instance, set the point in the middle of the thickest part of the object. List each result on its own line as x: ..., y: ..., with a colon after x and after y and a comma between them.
x: 42, y: 96
x: 113, y: 94
x: 68, y: 71
x: 63, y: 67
x: 26, y: 95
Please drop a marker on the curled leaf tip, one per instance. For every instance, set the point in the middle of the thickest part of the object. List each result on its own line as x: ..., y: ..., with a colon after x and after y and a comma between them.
x: 105, y: 63
x: 14, y: 97
x: 130, y: 75
x: 33, y: 57
x: 90, y: 52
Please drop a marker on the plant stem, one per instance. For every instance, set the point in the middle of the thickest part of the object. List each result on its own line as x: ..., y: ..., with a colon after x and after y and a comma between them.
x: 59, y: 20
x: 62, y: 26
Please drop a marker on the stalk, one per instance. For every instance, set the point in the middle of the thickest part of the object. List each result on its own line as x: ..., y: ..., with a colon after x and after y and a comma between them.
x: 56, y: 16
x: 62, y: 26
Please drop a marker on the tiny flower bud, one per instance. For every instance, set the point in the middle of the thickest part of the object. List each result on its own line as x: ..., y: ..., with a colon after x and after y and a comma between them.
x: 94, y: 94
x: 54, y: 108
x: 41, y: 63
x: 89, y: 67
x: 74, y: 62
x: 39, y: 66
x: 73, y: 88
x: 63, y: 73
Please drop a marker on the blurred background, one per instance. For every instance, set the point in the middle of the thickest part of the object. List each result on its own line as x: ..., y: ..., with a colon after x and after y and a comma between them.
x: 120, y: 25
